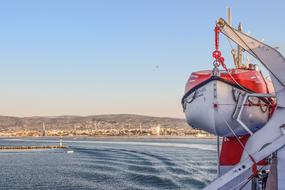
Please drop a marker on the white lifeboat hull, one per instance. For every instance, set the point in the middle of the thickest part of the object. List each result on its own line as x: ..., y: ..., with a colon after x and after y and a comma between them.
x: 211, y: 107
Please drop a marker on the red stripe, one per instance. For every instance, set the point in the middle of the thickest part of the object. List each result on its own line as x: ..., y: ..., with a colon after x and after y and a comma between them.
x: 231, y: 151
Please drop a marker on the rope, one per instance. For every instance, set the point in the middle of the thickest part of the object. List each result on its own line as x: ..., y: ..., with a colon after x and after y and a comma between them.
x: 253, y: 53
x: 241, y: 144
x: 226, y: 69
x: 230, y: 43
x: 277, y: 91
x: 254, y: 166
x: 246, y: 180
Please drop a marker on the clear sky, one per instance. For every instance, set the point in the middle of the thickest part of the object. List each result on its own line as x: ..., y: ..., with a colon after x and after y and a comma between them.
x: 67, y: 57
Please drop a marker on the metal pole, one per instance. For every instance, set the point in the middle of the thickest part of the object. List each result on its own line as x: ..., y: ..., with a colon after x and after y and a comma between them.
x: 229, y: 16
x: 218, y: 156
x: 239, y: 49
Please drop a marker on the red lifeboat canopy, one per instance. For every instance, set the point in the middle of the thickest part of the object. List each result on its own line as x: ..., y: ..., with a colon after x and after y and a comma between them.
x: 250, y: 79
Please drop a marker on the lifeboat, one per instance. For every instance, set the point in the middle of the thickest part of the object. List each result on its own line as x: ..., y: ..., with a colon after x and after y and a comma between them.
x: 223, y: 102
x: 211, y: 102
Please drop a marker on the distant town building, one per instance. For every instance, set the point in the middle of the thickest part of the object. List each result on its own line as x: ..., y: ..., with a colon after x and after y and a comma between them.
x: 44, y: 129
x: 158, y: 130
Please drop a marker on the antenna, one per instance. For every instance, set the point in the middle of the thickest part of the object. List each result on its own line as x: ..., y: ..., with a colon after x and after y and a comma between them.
x: 234, y: 51
x: 237, y: 54
x: 229, y: 16
x: 239, y: 49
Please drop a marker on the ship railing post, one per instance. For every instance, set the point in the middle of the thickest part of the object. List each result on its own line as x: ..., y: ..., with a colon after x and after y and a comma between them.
x: 218, y: 156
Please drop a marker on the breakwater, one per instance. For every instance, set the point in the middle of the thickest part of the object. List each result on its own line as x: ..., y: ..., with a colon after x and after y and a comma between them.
x: 30, y: 147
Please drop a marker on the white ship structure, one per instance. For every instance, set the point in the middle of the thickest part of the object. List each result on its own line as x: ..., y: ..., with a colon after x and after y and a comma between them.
x: 244, y: 109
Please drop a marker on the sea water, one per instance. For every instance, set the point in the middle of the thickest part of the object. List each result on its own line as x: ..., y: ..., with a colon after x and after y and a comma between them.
x: 109, y: 163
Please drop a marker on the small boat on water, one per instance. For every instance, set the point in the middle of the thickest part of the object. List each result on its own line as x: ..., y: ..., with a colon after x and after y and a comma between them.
x: 246, y: 109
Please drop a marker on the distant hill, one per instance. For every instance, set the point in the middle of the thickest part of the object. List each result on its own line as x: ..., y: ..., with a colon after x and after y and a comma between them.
x: 89, y: 122
x: 96, y: 125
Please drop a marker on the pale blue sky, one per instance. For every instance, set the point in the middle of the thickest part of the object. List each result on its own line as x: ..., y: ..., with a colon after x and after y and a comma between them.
x: 114, y: 56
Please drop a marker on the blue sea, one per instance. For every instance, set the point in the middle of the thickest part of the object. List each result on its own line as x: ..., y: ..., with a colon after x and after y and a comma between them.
x: 109, y: 163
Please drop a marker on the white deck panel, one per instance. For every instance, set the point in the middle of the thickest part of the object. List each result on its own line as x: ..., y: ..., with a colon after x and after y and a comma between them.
x: 281, y: 168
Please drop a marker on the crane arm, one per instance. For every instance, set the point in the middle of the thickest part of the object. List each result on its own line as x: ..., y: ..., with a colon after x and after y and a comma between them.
x: 271, y: 59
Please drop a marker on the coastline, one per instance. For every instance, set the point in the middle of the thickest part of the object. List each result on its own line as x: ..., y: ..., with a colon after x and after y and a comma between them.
x: 107, y: 137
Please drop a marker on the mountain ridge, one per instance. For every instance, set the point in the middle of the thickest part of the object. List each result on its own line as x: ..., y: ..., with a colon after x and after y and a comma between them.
x: 93, y: 124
